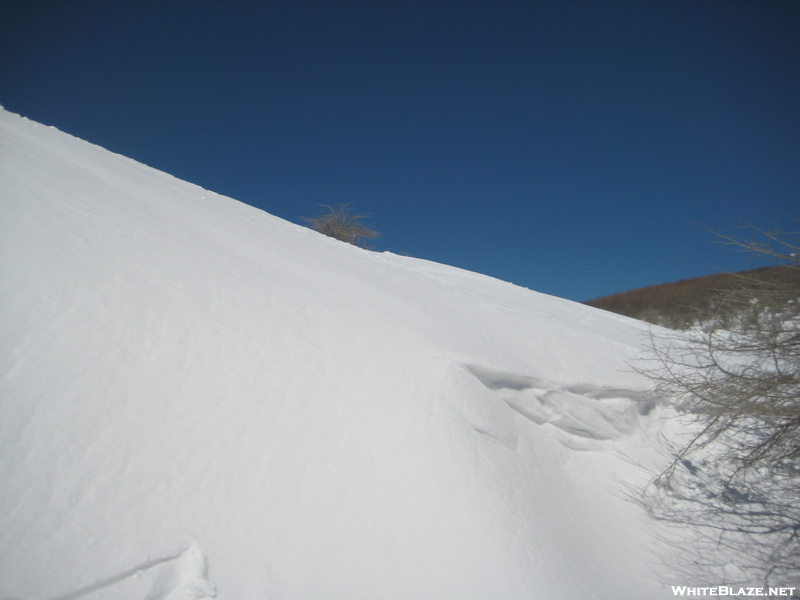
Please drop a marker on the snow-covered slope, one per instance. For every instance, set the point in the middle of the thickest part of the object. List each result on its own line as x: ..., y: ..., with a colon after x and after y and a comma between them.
x: 201, y: 399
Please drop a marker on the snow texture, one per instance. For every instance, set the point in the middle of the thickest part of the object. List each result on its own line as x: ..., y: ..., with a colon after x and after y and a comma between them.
x: 198, y: 399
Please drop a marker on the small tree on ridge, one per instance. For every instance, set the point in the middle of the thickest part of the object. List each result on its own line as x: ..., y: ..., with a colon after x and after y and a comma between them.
x: 340, y: 223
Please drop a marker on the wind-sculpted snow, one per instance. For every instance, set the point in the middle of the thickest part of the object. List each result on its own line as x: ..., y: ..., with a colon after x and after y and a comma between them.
x: 580, y: 416
x: 324, y: 422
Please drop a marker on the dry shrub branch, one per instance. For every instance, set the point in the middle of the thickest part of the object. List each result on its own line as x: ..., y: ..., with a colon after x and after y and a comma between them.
x: 340, y: 223
x: 736, y: 482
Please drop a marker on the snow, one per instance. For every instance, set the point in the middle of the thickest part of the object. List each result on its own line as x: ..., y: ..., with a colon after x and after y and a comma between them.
x: 200, y: 399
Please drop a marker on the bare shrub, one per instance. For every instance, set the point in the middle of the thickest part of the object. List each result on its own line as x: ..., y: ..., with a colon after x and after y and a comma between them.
x: 736, y: 483
x: 340, y: 223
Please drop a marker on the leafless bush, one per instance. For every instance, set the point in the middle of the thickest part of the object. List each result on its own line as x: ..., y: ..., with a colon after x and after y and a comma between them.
x: 340, y: 223
x: 736, y: 483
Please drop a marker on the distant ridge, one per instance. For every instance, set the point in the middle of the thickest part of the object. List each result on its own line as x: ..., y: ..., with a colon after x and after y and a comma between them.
x: 680, y: 304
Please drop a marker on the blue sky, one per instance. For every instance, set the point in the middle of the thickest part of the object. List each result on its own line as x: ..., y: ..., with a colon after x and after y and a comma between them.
x: 569, y: 147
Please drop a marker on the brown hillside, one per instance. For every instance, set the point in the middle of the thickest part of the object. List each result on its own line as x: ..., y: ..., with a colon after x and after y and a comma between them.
x: 681, y: 304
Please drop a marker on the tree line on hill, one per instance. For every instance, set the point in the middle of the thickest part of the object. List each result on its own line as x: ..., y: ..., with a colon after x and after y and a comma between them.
x: 683, y: 304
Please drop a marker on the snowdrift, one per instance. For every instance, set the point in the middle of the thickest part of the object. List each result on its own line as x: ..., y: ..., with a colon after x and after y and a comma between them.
x: 202, y: 400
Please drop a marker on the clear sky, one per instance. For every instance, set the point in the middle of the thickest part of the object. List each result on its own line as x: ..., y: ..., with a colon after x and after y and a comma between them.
x: 568, y: 147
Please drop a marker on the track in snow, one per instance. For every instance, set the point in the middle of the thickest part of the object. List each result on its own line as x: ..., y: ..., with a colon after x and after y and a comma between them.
x: 181, y: 576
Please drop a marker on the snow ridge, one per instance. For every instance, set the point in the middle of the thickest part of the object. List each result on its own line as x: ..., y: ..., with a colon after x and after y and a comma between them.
x: 325, y: 422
